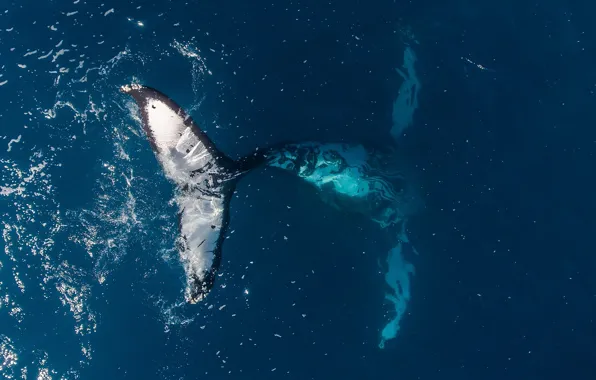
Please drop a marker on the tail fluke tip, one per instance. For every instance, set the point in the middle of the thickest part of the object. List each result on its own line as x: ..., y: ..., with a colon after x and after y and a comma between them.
x: 130, y: 87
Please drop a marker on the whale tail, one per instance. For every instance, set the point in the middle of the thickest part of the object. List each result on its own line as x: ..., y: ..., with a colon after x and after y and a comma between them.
x: 205, y: 179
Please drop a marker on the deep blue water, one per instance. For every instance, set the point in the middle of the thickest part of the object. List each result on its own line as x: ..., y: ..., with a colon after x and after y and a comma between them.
x: 502, y: 156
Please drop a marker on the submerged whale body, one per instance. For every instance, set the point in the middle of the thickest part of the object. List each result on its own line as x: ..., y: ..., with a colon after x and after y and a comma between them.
x: 347, y: 176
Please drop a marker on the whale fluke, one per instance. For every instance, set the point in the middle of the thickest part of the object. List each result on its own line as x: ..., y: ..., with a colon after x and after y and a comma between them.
x: 205, y: 181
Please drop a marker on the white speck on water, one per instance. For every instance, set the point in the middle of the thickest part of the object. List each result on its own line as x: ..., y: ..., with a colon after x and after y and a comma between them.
x: 13, y: 141
x: 46, y: 55
x: 58, y: 54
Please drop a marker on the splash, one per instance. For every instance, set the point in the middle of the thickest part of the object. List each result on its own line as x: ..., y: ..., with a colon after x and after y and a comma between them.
x: 8, y: 358
x: 188, y: 50
x: 32, y: 222
x: 108, y: 224
x: 44, y: 268
x: 198, y: 71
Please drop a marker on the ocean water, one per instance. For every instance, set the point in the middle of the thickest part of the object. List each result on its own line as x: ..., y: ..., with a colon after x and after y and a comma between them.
x: 486, y: 108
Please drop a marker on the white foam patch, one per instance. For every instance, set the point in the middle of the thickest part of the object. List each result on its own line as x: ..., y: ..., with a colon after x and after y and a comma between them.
x: 10, y: 190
